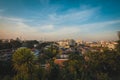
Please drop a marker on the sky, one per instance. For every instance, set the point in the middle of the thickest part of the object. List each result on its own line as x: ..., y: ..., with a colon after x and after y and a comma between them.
x: 89, y: 20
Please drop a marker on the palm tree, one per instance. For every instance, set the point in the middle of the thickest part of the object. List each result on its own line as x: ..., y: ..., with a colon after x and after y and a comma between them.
x: 23, y: 60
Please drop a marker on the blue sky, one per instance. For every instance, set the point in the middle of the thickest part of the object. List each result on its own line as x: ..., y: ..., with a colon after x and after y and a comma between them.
x: 60, y: 19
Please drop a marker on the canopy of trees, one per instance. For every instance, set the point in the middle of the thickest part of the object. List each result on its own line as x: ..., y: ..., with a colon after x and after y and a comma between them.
x: 90, y: 66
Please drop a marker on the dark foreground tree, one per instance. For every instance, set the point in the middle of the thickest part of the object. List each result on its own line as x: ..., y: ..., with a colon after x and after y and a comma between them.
x: 23, y: 62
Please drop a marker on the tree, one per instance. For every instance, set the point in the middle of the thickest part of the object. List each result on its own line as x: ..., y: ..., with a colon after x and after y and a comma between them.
x: 53, y: 71
x: 15, y: 44
x: 48, y: 54
x: 30, y: 44
x: 6, y: 45
x: 74, y: 68
x: 23, y: 62
x: 6, y: 70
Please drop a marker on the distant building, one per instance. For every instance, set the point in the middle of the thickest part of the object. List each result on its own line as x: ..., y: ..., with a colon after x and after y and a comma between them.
x: 95, y: 45
x: 79, y: 42
x: 111, y: 46
x: 66, y: 43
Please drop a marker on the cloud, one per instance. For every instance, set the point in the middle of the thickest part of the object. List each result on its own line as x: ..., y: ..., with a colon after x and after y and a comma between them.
x: 47, y: 27
x: 55, y: 27
x: 15, y: 27
x: 98, y: 25
x: 106, y: 30
x: 62, y: 33
x: 52, y: 16
x: 13, y: 19
x: 72, y: 15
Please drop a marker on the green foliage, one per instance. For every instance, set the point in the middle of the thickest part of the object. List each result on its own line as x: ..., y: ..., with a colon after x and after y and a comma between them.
x: 73, y: 68
x: 48, y: 54
x: 6, y: 69
x: 12, y: 44
x: 15, y: 44
x: 118, y: 46
x: 6, y: 45
x: 102, y: 76
x: 7, y: 77
x: 54, y: 71
x: 40, y: 73
x: 30, y: 44
x: 90, y: 66
x: 23, y: 62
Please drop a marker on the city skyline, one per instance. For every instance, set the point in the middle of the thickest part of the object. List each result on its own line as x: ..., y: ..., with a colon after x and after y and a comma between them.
x: 60, y: 19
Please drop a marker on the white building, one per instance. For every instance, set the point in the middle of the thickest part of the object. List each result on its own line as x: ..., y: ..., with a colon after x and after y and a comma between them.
x: 67, y: 43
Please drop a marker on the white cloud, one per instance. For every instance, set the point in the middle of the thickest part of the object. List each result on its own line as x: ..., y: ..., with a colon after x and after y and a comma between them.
x: 12, y: 28
x: 15, y: 27
x: 48, y: 23
x: 77, y: 15
x: 91, y: 26
x: 69, y: 16
x: 99, y: 31
x: 13, y: 19
x: 46, y: 27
